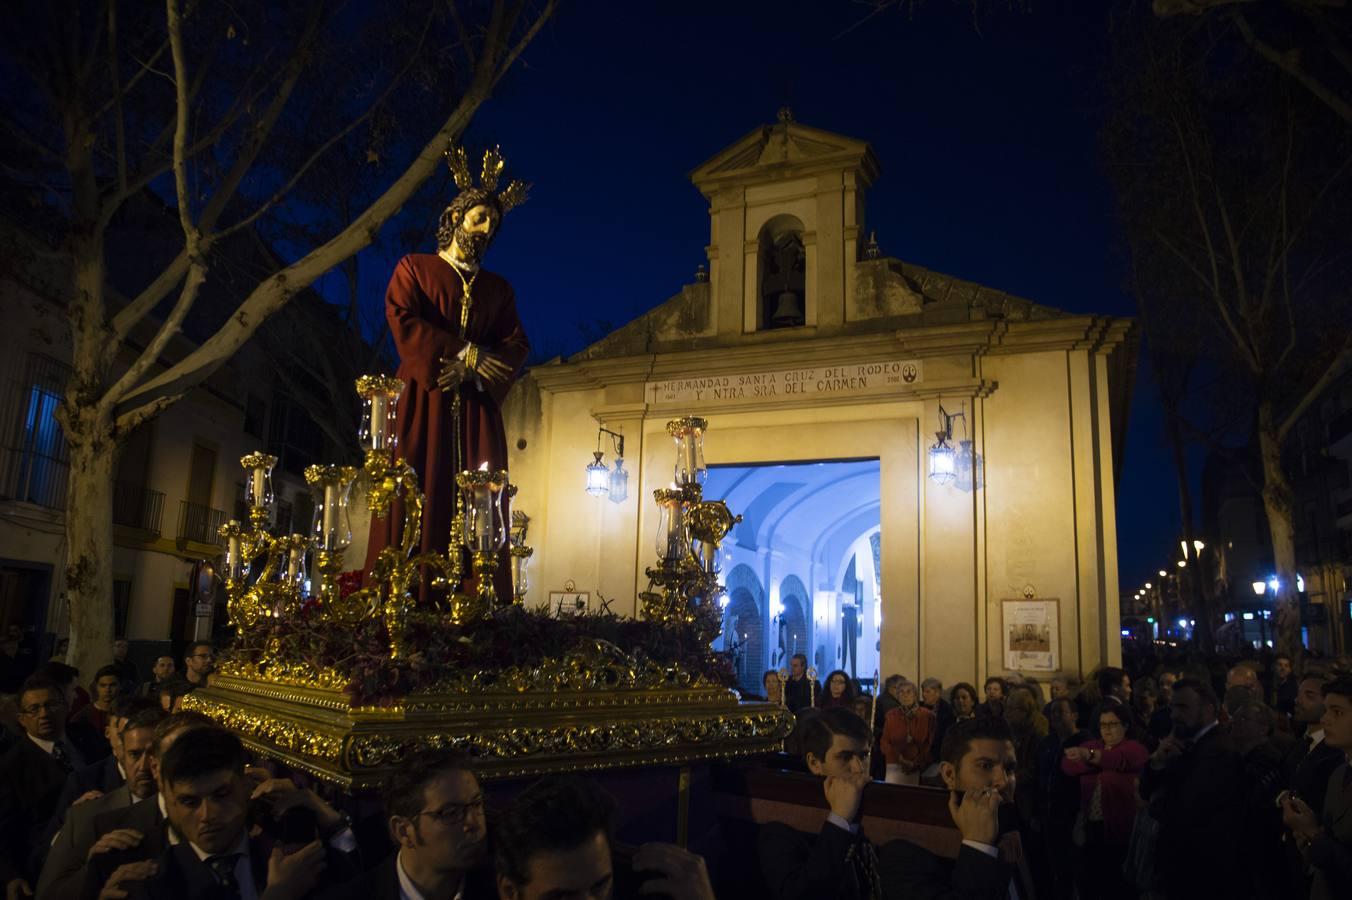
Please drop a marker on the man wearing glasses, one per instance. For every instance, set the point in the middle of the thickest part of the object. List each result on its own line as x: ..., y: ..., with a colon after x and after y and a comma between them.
x: 435, y: 813
x: 32, y: 773
x: 197, y: 663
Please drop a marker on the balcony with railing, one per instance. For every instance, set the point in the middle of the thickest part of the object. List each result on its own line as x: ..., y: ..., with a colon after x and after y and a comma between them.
x: 199, y: 524
x: 135, y: 506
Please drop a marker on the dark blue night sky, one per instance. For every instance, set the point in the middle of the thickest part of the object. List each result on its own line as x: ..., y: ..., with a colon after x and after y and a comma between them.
x: 988, y: 143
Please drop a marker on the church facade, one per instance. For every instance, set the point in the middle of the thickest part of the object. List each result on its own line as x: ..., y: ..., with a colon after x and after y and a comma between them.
x: 825, y: 370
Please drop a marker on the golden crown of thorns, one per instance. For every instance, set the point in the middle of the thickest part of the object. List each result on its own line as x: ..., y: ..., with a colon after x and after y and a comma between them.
x: 509, y: 197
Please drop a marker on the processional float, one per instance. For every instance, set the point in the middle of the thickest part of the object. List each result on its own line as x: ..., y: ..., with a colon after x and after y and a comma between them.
x: 346, y: 681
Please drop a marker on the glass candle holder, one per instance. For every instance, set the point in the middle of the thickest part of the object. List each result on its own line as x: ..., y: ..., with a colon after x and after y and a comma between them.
x: 258, y: 485
x: 380, y: 397
x: 236, y: 567
x: 481, y: 491
x: 688, y: 433
x: 520, y: 565
x: 673, y: 543
x: 331, y: 486
x: 295, y: 573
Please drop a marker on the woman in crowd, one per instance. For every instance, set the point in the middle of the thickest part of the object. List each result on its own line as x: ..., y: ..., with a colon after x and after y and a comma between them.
x: 837, y: 690
x: 963, y: 700
x: 994, y: 705
x: 1108, y: 767
x: 1028, y: 726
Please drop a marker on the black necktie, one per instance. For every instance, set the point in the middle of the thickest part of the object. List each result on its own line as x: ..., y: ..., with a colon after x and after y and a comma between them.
x: 223, y: 867
x: 61, y: 756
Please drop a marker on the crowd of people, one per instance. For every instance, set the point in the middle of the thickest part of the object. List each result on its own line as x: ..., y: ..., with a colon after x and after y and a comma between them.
x: 1168, y: 778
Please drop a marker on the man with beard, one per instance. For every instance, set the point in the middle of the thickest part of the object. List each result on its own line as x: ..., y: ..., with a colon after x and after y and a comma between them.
x: 435, y: 811
x: 461, y: 346
x: 1193, y: 784
x: 63, y: 872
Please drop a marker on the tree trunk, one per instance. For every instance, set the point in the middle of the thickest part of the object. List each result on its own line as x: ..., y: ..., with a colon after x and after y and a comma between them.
x: 89, y: 542
x: 1281, y: 528
x: 1190, y: 578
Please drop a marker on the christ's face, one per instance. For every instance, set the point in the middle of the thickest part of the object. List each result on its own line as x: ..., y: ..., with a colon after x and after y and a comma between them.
x: 471, y: 238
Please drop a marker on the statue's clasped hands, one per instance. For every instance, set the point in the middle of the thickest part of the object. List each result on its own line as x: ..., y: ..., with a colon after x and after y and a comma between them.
x: 477, y: 360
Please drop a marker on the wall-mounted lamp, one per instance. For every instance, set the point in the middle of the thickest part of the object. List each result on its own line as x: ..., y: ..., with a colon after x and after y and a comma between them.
x: 601, y: 481
x: 963, y: 465
x: 943, y: 459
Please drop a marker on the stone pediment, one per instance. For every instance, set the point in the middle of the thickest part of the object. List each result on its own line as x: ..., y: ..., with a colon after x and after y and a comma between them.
x: 760, y: 154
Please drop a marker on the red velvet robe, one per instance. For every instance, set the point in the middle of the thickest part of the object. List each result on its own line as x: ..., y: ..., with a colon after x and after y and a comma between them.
x: 423, y: 305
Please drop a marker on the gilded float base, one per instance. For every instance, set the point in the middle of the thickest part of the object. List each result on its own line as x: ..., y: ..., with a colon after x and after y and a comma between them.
x: 510, y: 732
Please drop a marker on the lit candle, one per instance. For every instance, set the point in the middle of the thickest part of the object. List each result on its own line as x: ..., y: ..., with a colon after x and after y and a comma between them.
x: 379, y: 414
x: 331, y: 516
x: 293, y: 562
x: 873, y: 707
x: 235, y: 567
x: 259, y: 486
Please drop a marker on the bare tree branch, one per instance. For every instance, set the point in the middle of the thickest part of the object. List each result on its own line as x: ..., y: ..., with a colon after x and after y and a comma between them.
x: 323, y: 148
x: 180, y: 161
x: 1331, y: 374
x: 119, y: 122
x: 271, y: 294
x: 142, y: 69
x: 258, y: 135
x: 1289, y: 62
x: 464, y: 35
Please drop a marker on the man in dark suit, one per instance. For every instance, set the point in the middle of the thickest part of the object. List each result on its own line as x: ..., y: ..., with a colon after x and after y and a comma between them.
x: 31, y: 775
x: 977, y: 764
x: 137, y: 832
x: 1194, y: 785
x: 63, y: 872
x: 206, y: 796
x: 435, y: 811
x: 838, y: 861
x: 1312, y: 759
x: 1326, y: 839
x: 797, y: 690
x: 105, y: 775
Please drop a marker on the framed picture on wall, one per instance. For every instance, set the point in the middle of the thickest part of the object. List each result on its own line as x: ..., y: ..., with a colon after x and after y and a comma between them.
x: 564, y: 604
x: 1031, y: 636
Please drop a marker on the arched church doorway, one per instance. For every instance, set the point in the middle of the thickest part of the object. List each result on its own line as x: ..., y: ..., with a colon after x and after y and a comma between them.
x: 803, y: 525
x: 744, y: 638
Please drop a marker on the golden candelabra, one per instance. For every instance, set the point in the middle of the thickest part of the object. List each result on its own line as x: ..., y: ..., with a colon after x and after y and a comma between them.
x: 587, y: 704
x: 683, y: 587
x: 278, y: 588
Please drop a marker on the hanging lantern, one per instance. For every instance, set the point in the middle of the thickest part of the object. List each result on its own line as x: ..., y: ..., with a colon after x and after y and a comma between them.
x: 598, y: 476
x: 942, y: 461
x: 619, y: 482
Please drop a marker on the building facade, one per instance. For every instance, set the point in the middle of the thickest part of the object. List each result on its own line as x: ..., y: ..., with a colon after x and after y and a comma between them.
x: 178, y: 477
x: 824, y: 370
